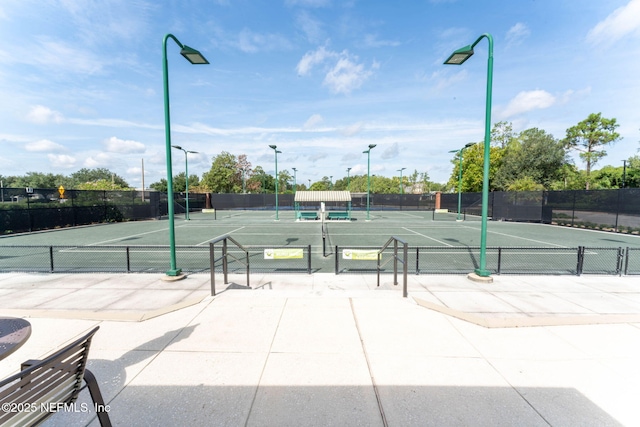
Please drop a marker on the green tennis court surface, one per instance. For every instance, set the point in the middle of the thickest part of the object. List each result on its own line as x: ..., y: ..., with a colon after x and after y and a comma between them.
x: 91, y: 244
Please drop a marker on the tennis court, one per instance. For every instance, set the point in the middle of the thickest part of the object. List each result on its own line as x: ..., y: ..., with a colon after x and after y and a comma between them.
x: 437, y: 242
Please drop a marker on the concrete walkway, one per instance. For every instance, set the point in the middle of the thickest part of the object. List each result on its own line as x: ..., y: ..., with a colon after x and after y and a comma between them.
x: 324, y: 350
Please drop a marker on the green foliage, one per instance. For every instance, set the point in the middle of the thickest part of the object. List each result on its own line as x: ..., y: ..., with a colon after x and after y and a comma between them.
x: 525, y: 183
x: 223, y: 175
x: 589, y: 137
x: 535, y: 155
x: 84, y: 176
x: 473, y: 168
x: 100, y: 184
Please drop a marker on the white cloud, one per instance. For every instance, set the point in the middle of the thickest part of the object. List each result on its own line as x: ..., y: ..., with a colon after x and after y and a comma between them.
x: 353, y: 129
x: 43, y: 145
x: 317, y: 156
x: 346, y: 76
x: 100, y: 160
x: 312, y: 28
x: 41, y: 115
x: 116, y: 145
x: 517, y: 34
x: 621, y: 22
x: 61, y: 160
x: 527, y: 101
x: 251, y: 42
x: 371, y: 40
x: 313, y: 58
x: 391, y: 152
x: 313, y: 121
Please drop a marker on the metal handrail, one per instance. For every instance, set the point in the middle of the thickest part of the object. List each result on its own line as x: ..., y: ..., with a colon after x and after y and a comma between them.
x: 225, y: 261
x: 404, y: 261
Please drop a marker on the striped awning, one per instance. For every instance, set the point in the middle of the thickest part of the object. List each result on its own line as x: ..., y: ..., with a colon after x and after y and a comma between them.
x: 323, y: 196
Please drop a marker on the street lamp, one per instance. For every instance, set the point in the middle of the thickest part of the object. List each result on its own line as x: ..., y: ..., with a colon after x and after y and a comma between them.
x: 194, y: 57
x: 401, y: 186
x: 276, y: 153
x: 186, y: 173
x: 458, y: 58
x: 348, y: 180
x: 368, y: 175
x: 460, y: 175
x: 295, y: 184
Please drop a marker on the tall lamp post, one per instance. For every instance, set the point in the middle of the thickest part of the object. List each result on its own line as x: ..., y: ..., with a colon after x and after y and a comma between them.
x: 194, y: 57
x: 295, y: 181
x: 186, y: 173
x: 401, y: 186
x: 459, y: 152
x: 368, y: 175
x: 276, y: 151
x: 458, y: 58
x: 348, y: 180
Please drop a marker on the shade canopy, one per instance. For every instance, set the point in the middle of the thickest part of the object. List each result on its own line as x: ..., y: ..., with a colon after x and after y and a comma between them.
x: 323, y: 196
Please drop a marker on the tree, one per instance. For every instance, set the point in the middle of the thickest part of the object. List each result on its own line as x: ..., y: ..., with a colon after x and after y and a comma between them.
x: 473, y: 168
x: 85, y: 175
x: 502, y: 134
x: 589, y: 137
x: 223, y: 175
x: 244, y: 169
x: 180, y: 183
x: 40, y: 180
x: 101, y: 184
x: 261, y: 182
x: 161, y: 185
x: 533, y: 154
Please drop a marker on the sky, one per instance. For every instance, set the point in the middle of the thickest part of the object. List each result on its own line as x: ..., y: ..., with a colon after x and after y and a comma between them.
x: 81, y: 81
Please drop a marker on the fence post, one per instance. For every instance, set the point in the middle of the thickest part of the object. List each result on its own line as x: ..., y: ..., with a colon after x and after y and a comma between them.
x: 499, y: 259
x: 417, y: 261
x: 580, y: 260
x: 51, y: 259
x: 212, y: 268
x: 128, y: 261
x: 626, y: 261
x: 225, y: 265
x: 309, y: 259
x: 620, y: 259
x: 337, y: 267
x: 405, y: 269
x: 395, y: 262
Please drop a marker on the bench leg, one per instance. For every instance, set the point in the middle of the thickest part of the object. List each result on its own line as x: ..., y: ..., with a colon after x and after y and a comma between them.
x: 96, y: 396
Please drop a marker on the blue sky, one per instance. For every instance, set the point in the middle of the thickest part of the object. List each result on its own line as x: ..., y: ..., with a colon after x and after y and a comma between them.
x: 81, y: 81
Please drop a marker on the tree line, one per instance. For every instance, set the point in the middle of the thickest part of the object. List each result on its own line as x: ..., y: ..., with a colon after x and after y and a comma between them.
x: 534, y: 160
x: 531, y: 160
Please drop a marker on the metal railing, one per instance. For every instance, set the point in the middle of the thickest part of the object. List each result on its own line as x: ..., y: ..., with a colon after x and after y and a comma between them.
x: 396, y: 259
x: 225, y: 260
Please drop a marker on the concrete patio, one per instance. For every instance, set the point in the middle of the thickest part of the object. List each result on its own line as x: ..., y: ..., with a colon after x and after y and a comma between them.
x: 337, y: 350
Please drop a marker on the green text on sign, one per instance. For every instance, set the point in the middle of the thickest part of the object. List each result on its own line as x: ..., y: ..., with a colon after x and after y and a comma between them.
x: 360, y: 254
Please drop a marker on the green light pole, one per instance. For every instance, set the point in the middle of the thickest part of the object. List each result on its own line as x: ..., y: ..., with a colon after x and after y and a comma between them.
x: 295, y: 182
x: 401, y: 186
x: 460, y: 175
x: 368, y: 175
x: 194, y: 57
x: 186, y: 183
x: 348, y: 180
x: 458, y: 58
x: 276, y: 153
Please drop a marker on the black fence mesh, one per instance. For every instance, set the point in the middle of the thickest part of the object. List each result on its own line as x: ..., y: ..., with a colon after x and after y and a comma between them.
x: 140, y: 259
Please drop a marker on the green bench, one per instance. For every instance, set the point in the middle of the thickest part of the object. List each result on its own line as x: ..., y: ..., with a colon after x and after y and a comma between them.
x: 338, y: 215
x: 307, y: 215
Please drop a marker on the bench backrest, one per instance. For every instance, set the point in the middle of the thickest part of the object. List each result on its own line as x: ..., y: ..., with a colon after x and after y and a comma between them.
x: 34, y: 393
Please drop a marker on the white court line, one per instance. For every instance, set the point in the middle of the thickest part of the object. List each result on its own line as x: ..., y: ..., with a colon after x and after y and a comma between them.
x: 127, y: 237
x: 431, y: 238
x: 518, y: 237
x: 214, y: 238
